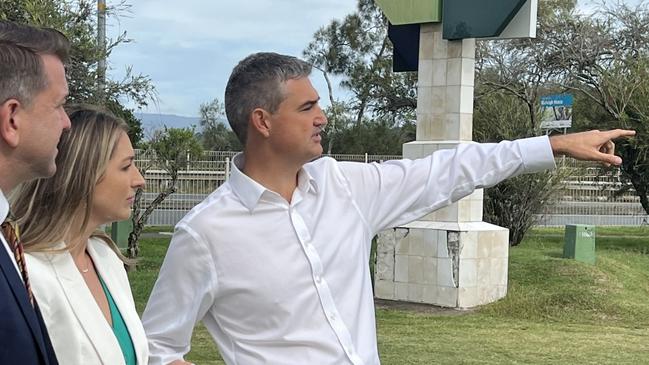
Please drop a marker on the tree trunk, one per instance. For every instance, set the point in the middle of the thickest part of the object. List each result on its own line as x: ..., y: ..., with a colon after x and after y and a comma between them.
x: 642, y: 191
x: 532, y: 108
x: 140, y: 220
x: 133, y: 245
x: 334, y: 117
x: 361, y: 110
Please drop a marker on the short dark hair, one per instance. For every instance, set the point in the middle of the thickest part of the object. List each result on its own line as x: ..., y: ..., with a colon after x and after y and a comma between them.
x: 22, y: 74
x: 256, y: 82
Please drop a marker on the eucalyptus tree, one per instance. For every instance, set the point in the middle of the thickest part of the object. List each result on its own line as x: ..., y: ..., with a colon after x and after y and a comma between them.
x: 170, y: 150
x: 358, y: 52
x: 215, y: 133
x: 605, y: 56
x: 76, y: 19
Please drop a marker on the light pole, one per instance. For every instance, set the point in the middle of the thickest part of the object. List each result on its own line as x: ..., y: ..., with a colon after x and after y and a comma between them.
x: 101, y: 44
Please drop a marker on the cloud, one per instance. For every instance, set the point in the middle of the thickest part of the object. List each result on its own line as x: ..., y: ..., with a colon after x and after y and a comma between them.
x: 189, y: 47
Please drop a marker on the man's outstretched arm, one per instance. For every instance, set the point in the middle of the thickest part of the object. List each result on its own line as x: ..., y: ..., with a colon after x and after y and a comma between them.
x: 590, y: 146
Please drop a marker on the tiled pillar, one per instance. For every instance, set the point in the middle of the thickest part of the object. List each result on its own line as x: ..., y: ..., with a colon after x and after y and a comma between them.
x: 449, y: 257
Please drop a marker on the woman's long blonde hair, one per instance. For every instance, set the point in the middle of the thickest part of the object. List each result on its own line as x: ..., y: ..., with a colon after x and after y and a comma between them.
x: 45, y: 209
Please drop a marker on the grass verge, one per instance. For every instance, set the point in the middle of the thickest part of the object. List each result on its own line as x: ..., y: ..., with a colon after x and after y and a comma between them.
x: 556, y: 310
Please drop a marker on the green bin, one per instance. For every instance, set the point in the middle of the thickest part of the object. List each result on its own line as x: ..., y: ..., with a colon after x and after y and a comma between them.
x: 119, y: 232
x: 579, y: 243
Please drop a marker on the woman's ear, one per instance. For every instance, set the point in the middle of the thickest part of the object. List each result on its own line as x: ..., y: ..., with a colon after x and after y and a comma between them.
x: 9, y: 121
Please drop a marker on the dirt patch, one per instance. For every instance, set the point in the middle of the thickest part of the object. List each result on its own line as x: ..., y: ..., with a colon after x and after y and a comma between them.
x: 420, y: 308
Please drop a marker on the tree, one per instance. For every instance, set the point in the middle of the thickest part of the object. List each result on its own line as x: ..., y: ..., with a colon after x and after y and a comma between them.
x: 513, y: 203
x: 170, y: 150
x: 606, y: 59
x: 216, y: 135
x: 76, y: 19
x: 135, y: 132
x: 376, y: 137
x: 358, y: 50
x: 603, y: 58
x: 511, y: 76
x: 524, y: 68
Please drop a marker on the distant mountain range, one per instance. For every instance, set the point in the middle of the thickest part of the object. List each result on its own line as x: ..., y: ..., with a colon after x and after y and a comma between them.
x: 152, y: 122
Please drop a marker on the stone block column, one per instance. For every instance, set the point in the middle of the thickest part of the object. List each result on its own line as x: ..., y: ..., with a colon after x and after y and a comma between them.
x: 449, y: 257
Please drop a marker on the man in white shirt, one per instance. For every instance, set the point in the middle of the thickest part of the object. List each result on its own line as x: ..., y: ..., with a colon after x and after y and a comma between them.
x: 275, y: 261
x: 33, y: 89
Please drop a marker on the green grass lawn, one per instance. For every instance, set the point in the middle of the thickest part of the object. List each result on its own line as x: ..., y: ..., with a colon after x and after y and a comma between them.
x: 556, y: 310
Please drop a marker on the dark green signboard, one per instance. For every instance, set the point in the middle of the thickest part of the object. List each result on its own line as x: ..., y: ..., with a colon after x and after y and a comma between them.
x: 477, y: 18
x: 460, y: 19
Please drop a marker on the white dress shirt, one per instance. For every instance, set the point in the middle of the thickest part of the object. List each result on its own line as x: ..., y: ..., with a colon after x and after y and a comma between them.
x: 280, y: 283
x: 4, y: 211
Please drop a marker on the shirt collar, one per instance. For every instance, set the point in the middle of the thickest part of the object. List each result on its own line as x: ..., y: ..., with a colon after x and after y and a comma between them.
x: 249, y: 191
x: 306, y: 182
x: 4, y: 207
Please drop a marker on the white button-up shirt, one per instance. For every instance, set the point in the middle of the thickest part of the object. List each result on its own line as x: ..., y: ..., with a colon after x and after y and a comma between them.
x: 280, y: 283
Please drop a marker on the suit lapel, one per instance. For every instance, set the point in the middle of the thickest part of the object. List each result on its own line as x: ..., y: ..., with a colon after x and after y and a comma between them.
x: 86, y: 309
x: 20, y: 295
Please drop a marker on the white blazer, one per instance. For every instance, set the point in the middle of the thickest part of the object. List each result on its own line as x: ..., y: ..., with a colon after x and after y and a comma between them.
x: 79, y: 332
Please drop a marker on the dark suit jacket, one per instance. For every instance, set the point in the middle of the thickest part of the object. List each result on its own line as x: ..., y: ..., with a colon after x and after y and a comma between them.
x: 23, y: 336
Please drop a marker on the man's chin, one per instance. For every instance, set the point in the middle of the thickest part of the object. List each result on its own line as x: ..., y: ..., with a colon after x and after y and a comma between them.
x: 315, y: 157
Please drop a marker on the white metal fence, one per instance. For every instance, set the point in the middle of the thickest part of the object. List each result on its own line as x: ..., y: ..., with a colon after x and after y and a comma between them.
x: 591, y: 195
x: 587, y: 196
x: 202, y: 175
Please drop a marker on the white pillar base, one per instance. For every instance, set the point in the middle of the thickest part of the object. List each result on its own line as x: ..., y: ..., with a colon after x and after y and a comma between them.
x: 441, y: 263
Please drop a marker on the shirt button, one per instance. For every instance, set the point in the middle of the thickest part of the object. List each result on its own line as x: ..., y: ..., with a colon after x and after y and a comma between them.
x: 332, y: 317
x: 318, y: 279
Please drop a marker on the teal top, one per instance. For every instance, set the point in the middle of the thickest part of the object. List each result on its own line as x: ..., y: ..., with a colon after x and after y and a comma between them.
x: 119, y: 329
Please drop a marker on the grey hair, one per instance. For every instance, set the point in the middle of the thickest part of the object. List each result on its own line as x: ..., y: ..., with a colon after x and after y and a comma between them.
x: 22, y: 74
x: 257, y: 82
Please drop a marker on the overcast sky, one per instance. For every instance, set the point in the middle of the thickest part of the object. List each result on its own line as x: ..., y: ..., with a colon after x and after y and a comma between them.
x: 188, y: 48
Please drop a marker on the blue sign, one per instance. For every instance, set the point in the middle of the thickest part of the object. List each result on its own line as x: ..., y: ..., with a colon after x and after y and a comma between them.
x: 564, y: 100
x: 556, y: 111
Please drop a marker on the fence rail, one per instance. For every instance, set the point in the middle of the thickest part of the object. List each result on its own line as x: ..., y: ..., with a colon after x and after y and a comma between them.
x: 589, y: 195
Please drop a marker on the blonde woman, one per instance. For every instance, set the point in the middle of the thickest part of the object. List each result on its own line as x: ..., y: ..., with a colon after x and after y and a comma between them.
x: 76, y: 271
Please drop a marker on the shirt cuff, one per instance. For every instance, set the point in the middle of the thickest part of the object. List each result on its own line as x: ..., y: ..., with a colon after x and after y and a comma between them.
x: 537, y: 154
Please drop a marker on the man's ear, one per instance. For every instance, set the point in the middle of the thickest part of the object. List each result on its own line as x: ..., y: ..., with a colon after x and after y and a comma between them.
x: 9, y: 121
x: 260, y: 122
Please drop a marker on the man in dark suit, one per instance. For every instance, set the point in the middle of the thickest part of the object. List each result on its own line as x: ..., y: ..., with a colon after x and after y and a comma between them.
x: 33, y: 89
